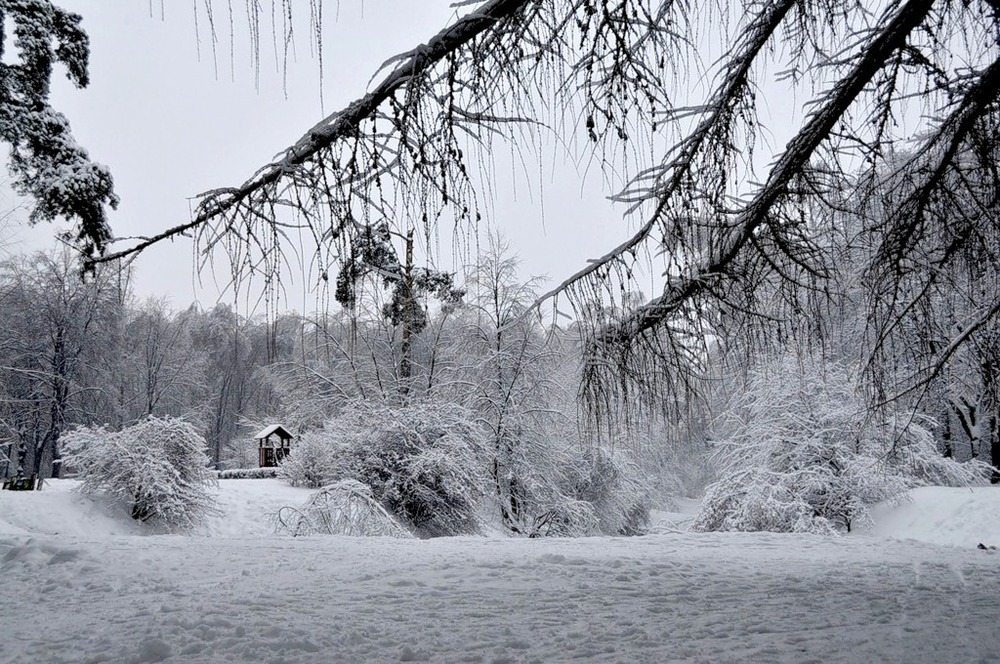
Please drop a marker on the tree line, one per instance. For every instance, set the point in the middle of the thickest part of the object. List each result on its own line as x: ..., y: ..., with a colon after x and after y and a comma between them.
x: 87, y: 353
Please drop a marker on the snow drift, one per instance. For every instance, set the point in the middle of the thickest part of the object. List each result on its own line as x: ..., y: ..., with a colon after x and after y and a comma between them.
x: 237, y: 594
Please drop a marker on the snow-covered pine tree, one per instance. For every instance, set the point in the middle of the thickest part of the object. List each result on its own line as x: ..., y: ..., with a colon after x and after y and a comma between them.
x: 47, y: 163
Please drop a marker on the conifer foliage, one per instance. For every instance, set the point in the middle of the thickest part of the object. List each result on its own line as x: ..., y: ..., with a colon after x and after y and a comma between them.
x: 47, y: 163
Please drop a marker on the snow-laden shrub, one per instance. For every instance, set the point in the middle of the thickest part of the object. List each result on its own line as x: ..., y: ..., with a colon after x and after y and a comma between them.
x: 242, y: 451
x: 801, y: 452
x: 530, y: 465
x: 920, y: 458
x: 612, y: 484
x: 600, y: 492
x: 157, y: 468
x: 247, y: 473
x: 814, y: 499
x: 423, y: 463
x: 545, y: 483
x: 565, y: 517
x: 313, y: 461
x: 346, y: 507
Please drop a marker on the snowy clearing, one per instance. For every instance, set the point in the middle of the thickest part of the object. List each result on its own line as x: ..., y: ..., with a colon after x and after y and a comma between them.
x: 942, y: 515
x: 88, y: 589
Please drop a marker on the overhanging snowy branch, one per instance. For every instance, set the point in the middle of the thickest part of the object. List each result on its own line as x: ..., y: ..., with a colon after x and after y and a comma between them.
x: 794, y: 160
x: 217, y: 203
x: 679, y: 169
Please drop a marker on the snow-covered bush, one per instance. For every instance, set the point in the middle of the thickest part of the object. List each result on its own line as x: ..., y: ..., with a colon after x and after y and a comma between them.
x: 578, y: 493
x: 565, y: 517
x: 242, y: 451
x: 346, y: 507
x: 313, y: 461
x: 424, y: 463
x: 548, y: 484
x: 611, y: 483
x: 919, y: 457
x: 429, y: 467
x: 247, y: 473
x: 157, y: 468
x: 800, y: 451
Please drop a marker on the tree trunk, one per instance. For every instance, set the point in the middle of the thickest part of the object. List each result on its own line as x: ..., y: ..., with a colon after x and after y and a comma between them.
x: 47, y: 449
x: 405, y: 367
x: 968, y: 418
x: 995, y: 450
x: 948, y: 450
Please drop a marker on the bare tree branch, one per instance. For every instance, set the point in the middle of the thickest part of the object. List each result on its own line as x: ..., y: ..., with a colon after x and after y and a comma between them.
x: 340, y: 125
x: 793, y: 161
x: 756, y: 37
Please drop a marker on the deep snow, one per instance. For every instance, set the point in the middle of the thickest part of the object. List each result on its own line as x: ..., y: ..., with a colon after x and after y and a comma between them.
x: 940, y: 515
x: 82, y: 586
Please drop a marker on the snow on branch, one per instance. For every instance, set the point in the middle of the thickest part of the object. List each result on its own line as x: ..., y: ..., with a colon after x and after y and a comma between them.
x: 665, y: 182
x: 157, y: 468
x: 792, y: 162
x: 799, y: 451
x: 226, y: 203
x: 46, y: 163
x: 346, y: 507
x: 736, y: 260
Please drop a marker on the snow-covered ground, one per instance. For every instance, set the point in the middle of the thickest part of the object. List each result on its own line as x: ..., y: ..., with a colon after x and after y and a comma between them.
x: 80, y: 585
x: 956, y: 517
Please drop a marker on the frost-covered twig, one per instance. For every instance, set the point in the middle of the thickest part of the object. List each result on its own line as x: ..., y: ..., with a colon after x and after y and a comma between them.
x: 346, y: 507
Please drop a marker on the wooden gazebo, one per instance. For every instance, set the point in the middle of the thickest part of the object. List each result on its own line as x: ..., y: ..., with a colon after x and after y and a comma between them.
x: 274, y: 444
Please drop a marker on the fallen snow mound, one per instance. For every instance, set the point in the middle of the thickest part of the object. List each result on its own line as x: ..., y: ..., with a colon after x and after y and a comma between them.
x: 246, y: 507
x: 57, y: 510
x: 937, y: 515
x: 941, y: 515
x: 75, y: 566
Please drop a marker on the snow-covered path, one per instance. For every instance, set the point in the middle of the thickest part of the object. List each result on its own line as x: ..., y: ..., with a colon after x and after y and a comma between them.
x: 712, y: 598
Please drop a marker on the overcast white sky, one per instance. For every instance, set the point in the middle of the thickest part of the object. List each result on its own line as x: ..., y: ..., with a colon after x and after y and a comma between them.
x: 171, y: 125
